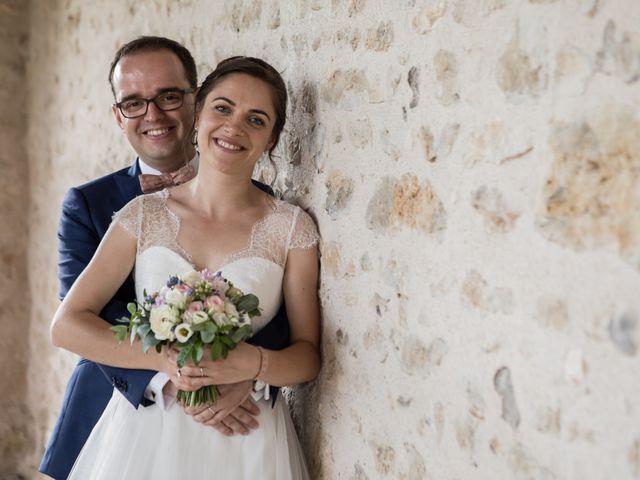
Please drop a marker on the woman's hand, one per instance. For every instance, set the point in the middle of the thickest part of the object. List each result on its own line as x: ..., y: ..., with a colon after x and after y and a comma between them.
x: 242, y: 363
x: 233, y: 412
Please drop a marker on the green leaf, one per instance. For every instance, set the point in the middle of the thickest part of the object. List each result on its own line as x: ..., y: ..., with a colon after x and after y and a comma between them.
x: 123, y: 320
x: 122, y: 332
x: 149, y: 341
x: 228, y: 342
x: 247, y: 302
x: 208, y: 332
x: 242, y: 333
x: 132, y: 307
x: 159, y: 347
x: 143, y: 330
x: 224, y: 351
x: 216, y: 349
x: 197, y: 353
x: 184, y: 354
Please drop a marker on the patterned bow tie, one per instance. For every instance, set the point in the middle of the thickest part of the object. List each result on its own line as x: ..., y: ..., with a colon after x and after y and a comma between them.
x: 152, y: 183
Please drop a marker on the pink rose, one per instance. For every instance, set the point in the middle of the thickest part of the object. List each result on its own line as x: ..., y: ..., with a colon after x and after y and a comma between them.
x: 195, y: 306
x: 183, y: 288
x: 215, y: 303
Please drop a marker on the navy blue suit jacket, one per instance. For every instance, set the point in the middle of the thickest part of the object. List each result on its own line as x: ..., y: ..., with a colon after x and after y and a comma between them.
x: 86, y: 215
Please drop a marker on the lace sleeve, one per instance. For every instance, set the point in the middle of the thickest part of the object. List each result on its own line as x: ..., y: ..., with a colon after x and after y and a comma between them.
x: 129, y: 217
x: 304, y: 233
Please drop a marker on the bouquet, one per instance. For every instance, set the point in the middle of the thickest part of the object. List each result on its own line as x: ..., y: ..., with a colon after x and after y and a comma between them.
x: 191, y: 312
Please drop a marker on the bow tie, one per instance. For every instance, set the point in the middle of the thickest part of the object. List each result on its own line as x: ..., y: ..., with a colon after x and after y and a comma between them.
x: 152, y: 183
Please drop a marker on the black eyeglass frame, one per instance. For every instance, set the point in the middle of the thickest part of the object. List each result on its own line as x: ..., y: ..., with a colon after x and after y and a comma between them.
x: 183, y: 92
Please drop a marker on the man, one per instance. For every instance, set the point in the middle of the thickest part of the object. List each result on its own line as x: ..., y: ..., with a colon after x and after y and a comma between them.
x: 153, y: 80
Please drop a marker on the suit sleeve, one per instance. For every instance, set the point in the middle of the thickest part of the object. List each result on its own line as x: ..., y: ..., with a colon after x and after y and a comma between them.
x: 78, y: 240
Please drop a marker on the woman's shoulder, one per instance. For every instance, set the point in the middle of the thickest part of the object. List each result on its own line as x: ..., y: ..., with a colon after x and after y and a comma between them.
x: 301, y: 229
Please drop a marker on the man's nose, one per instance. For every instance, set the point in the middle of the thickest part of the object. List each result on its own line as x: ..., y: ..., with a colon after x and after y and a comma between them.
x: 153, y: 112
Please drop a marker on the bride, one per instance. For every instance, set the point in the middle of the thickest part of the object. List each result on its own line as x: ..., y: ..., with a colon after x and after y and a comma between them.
x: 221, y: 222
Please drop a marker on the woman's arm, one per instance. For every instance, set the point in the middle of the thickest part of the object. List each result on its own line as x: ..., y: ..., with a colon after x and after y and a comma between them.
x: 77, y: 326
x: 300, y: 362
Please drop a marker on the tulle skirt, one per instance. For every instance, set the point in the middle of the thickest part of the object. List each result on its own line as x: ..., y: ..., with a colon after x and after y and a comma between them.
x: 151, y: 443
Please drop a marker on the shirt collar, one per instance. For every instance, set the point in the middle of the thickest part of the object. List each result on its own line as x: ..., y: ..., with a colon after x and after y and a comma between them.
x: 147, y: 170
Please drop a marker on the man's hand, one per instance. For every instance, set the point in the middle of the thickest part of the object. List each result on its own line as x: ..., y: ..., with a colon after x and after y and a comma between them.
x: 232, y: 413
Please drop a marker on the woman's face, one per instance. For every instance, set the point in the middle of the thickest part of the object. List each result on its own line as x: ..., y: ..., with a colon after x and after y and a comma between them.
x: 235, y: 123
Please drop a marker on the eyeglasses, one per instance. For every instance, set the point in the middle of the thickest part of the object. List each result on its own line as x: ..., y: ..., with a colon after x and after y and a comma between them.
x: 165, y: 101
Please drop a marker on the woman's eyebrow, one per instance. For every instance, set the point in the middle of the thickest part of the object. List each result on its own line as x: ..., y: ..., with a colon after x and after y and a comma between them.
x: 252, y: 110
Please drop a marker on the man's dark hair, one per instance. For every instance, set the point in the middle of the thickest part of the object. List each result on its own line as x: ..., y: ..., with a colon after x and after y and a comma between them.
x: 151, y: 44
x: 256, y: 68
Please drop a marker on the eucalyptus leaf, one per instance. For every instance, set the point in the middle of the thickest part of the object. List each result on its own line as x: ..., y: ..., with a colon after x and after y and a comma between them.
x: 198, y: 353
x: 122, y: 332
x: 149, y: 341
x: 216, y: 349
x: 132, y: 308
x: 208, y: 332
x: 143, y: 330
x: 247, y: 302
x: 242, y: 333
x: 184, y: 354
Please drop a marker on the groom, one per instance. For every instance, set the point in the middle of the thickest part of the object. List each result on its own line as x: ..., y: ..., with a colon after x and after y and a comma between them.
x: 159, y: 74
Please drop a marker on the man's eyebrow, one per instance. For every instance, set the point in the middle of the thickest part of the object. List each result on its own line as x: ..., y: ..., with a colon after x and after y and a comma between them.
x: 253, y: 110
x: 158, y: 92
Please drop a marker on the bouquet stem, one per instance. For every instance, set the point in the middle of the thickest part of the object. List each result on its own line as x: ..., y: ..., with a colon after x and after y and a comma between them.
x: 203, y: 396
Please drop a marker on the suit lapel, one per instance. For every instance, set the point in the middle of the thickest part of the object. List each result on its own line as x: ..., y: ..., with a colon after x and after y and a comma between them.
x: 128, y: 183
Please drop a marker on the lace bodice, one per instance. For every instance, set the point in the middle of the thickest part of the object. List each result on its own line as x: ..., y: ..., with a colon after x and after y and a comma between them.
x: 257, y: 267
x: 153, y: 223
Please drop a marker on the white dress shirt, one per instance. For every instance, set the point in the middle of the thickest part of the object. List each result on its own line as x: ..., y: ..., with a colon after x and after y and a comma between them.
x: 154, y: 389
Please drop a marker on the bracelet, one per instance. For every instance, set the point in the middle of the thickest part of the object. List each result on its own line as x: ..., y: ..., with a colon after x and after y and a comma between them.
x: 264, y: 363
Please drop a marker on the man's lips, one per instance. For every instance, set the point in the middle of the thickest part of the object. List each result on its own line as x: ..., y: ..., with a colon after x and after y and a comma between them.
x: 157, y: 132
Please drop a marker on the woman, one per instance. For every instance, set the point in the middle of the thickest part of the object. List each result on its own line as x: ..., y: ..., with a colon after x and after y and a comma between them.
x: 218, y: 221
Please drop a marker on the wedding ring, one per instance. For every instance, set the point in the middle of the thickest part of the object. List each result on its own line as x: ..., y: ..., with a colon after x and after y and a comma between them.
x: 201, y: 372
x: 211, y: 410
x: 179, y: 374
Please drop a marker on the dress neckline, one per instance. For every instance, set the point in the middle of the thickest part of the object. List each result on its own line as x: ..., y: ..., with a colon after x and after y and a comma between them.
x: 229, y: 257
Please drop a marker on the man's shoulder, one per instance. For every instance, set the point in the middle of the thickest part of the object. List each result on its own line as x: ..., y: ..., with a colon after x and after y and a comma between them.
x: 100, y: 183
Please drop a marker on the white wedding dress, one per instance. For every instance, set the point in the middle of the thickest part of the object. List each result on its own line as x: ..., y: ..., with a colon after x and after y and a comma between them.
x: 152, y: 443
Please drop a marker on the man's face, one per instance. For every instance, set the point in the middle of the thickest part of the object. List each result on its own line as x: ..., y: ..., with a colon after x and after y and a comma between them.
x: 158, y: 137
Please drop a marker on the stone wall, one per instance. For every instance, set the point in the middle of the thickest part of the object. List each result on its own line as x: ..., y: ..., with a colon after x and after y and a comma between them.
x: 16, y: 434
x: 474, y: 168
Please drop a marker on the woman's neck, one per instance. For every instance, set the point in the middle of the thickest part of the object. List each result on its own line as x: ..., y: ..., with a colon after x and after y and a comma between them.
x: 218, y: 195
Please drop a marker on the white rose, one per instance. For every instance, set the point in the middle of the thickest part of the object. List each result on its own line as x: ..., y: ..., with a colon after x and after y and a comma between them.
x: 161, y: 321
x: 183, y: 332
x: 221, y: 319
x: 176, y: 298
x: 231, y: 310
x: 191, y: 278
x: 199, y: 317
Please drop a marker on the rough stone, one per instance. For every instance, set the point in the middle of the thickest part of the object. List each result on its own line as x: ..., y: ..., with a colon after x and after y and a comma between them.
x: 498, y: 217
x: 620, y: 54
x: 446, y: 67
x: 413, y: 78
x: 385, y: 457
x: 424, y: 21
x: 339, y: 192
x: 360, y: 133
x: 331, y: 260
x: 502, y: 384
x: 417, y: 206
x: 590, y: 189
x: 518, y: 73
x: 381, y: 38
x: 552, y: 312
x: 624, y: 332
